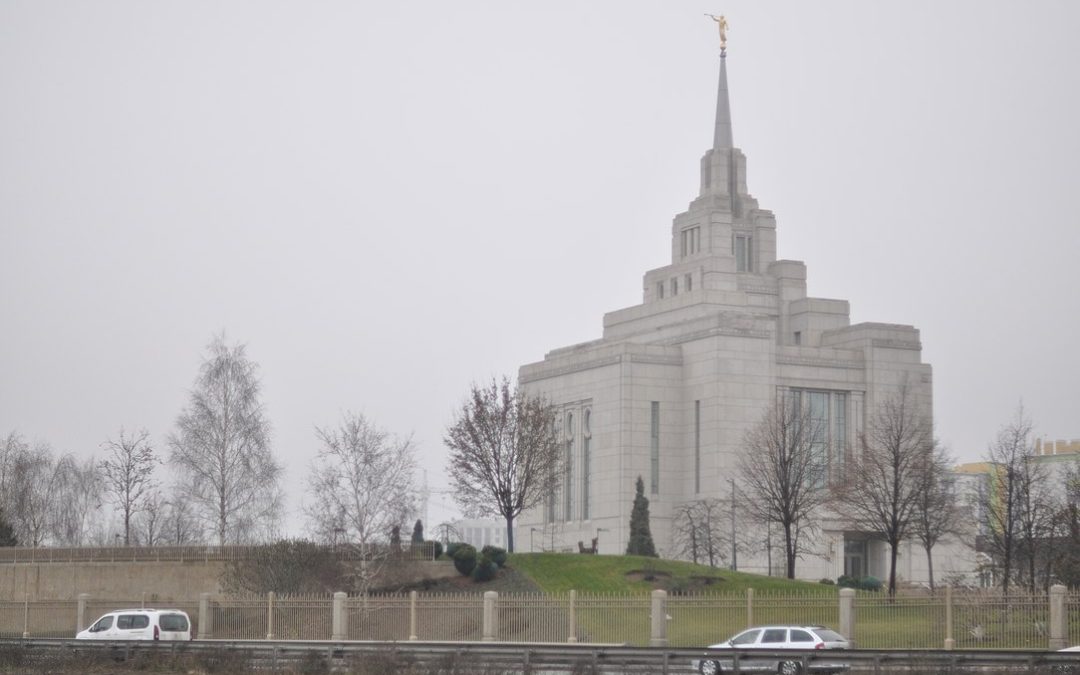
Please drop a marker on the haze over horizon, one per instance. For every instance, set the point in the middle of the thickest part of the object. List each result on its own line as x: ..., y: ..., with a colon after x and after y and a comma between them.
x: 388, y: 201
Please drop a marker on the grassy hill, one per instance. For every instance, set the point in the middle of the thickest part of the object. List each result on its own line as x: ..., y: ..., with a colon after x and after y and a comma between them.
x: 561, y: 572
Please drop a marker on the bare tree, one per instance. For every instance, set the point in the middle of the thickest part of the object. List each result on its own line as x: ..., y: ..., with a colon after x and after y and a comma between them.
x: 880, y: 488
x: 938, y: 512
x: 504, y: 452
x: 75, y: 500
x: 700, y: 531
x: 361, y: 486
x: 221, y: 449
x: 148, y: 523
x: 180, y: 527
x: 128, y: 473
x: 29, y: 477
x: 1000, y: 502
x: 784, y: 478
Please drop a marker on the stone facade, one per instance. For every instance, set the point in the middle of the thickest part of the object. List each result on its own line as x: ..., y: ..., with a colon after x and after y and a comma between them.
x: 672, y: 386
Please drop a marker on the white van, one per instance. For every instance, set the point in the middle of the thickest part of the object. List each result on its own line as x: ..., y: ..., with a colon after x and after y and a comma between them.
x: 140, y: 624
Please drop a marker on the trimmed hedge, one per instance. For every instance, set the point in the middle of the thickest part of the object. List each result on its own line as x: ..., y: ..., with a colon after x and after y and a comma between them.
x: 495, y: 554
x: 464, y: 559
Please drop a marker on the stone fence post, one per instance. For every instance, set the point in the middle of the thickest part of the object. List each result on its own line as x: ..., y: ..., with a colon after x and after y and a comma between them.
x: 80, y: 613
x: 950, y: 643
x: 270, y: 615
x: 339, y: 617
x: 1058, y: 621
x: 847, y: 614
x: 491, y: 616
x: 206, y: 617
x: 573, y: 617
x: 659, y: 619
x: 750, y: 608
x: 412, y: 615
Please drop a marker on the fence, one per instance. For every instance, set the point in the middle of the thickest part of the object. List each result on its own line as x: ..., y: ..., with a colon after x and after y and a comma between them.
x: 423, y: 551
x: 975, y: 621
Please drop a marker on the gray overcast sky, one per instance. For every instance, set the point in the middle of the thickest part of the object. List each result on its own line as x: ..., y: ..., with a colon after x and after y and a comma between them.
x: 388, y: 200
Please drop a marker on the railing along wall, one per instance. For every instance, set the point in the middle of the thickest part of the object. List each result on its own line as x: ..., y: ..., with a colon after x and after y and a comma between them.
x: 16, y: 554
x: 961, y: 620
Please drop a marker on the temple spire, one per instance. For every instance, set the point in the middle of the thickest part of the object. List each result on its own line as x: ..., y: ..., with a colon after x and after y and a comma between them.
x: 722, y: 139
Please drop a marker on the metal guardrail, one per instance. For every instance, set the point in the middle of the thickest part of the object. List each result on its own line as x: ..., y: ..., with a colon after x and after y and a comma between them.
x: 562, y: 658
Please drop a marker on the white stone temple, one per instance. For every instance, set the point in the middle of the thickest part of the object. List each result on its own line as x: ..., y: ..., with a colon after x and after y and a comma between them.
x: 674, y: 383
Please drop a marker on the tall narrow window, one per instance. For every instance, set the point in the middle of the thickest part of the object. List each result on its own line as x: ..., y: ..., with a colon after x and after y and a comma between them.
x: 675, y: 286
x: 660, y: 291
x: 691, y: 241
x: 654, y: 449
x: 568, y: 483
x: 741, y: 248
x: 697, y: 446
x: 586, y: 460
x: 689, y: 282
x: 839, y: 439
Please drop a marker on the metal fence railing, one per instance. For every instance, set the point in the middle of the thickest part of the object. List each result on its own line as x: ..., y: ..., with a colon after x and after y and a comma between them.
x: 203, y: 553
x: 979, y: 620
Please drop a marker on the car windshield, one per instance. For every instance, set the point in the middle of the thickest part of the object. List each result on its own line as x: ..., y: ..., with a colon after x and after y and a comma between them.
x: 829, y: 635
x: 104, y: 623
x: 173, y: 622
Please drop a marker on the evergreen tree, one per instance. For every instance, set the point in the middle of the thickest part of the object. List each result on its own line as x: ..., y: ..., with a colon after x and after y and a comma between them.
x: 7, y: 533
x: 395, y: 536
x: 418, y: 532
x: 641, y: 542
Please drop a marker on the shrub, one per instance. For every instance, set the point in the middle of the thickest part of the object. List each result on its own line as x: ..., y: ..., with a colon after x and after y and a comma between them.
x: 870, y: 584
x: 464, y: 559
x: 845, y: 581
x: 438, y: 549
x: 452, y: 548
x: 495, y: 554
x: 485, y: 569
x: 827, y: 582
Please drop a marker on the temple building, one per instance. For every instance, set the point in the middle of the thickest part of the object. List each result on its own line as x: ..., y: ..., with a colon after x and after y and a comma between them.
x: 671, y: 388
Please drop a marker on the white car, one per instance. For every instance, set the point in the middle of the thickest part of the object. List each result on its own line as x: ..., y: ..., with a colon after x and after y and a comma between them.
x: 776, y: 638
x: 140, y: 624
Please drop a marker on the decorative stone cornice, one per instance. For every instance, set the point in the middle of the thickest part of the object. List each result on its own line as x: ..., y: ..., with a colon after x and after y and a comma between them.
x: 885, y: 343
x: 545, y: 373
x: 818, y: 362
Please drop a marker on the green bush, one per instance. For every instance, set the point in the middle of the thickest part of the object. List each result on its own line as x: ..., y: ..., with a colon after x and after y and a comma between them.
x: 870, y: 584
x: 827, y: 582
x: 494, y: 554
x: 485, y: 569
x: 844, y: 581
x: 452, y: 548
x: 438, y: 549
x: 464, y: 559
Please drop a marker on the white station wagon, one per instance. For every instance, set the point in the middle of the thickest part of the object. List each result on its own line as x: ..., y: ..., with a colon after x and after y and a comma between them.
x: 140, y: 624
x: 776, y: 638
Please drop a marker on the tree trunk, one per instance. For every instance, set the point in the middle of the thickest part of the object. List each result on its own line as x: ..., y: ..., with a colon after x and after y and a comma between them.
x: 789, y: 551
x: 509, y: 534
x: 893, y: 545
x: 930, y: 568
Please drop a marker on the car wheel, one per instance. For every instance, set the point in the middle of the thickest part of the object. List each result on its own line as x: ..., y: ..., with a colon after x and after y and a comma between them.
x: 709, y: 668
x: 789, y: 668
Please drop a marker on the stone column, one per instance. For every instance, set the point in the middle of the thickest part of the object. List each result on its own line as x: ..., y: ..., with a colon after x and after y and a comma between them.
x: 491, y: 617
x: 412, y: 615
x: 80, y: 613
x: 573, y: 617
x: 847, y: 614
x: 659, y: 619
x: 270, y: 615
x: 206, y: 617
x: 339, y: 617
x: 1058, y: 618
x: 950, y: 643
x: 750, y: 608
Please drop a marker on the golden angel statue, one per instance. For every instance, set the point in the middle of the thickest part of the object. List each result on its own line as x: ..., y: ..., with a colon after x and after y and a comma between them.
x: 722, y: 24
